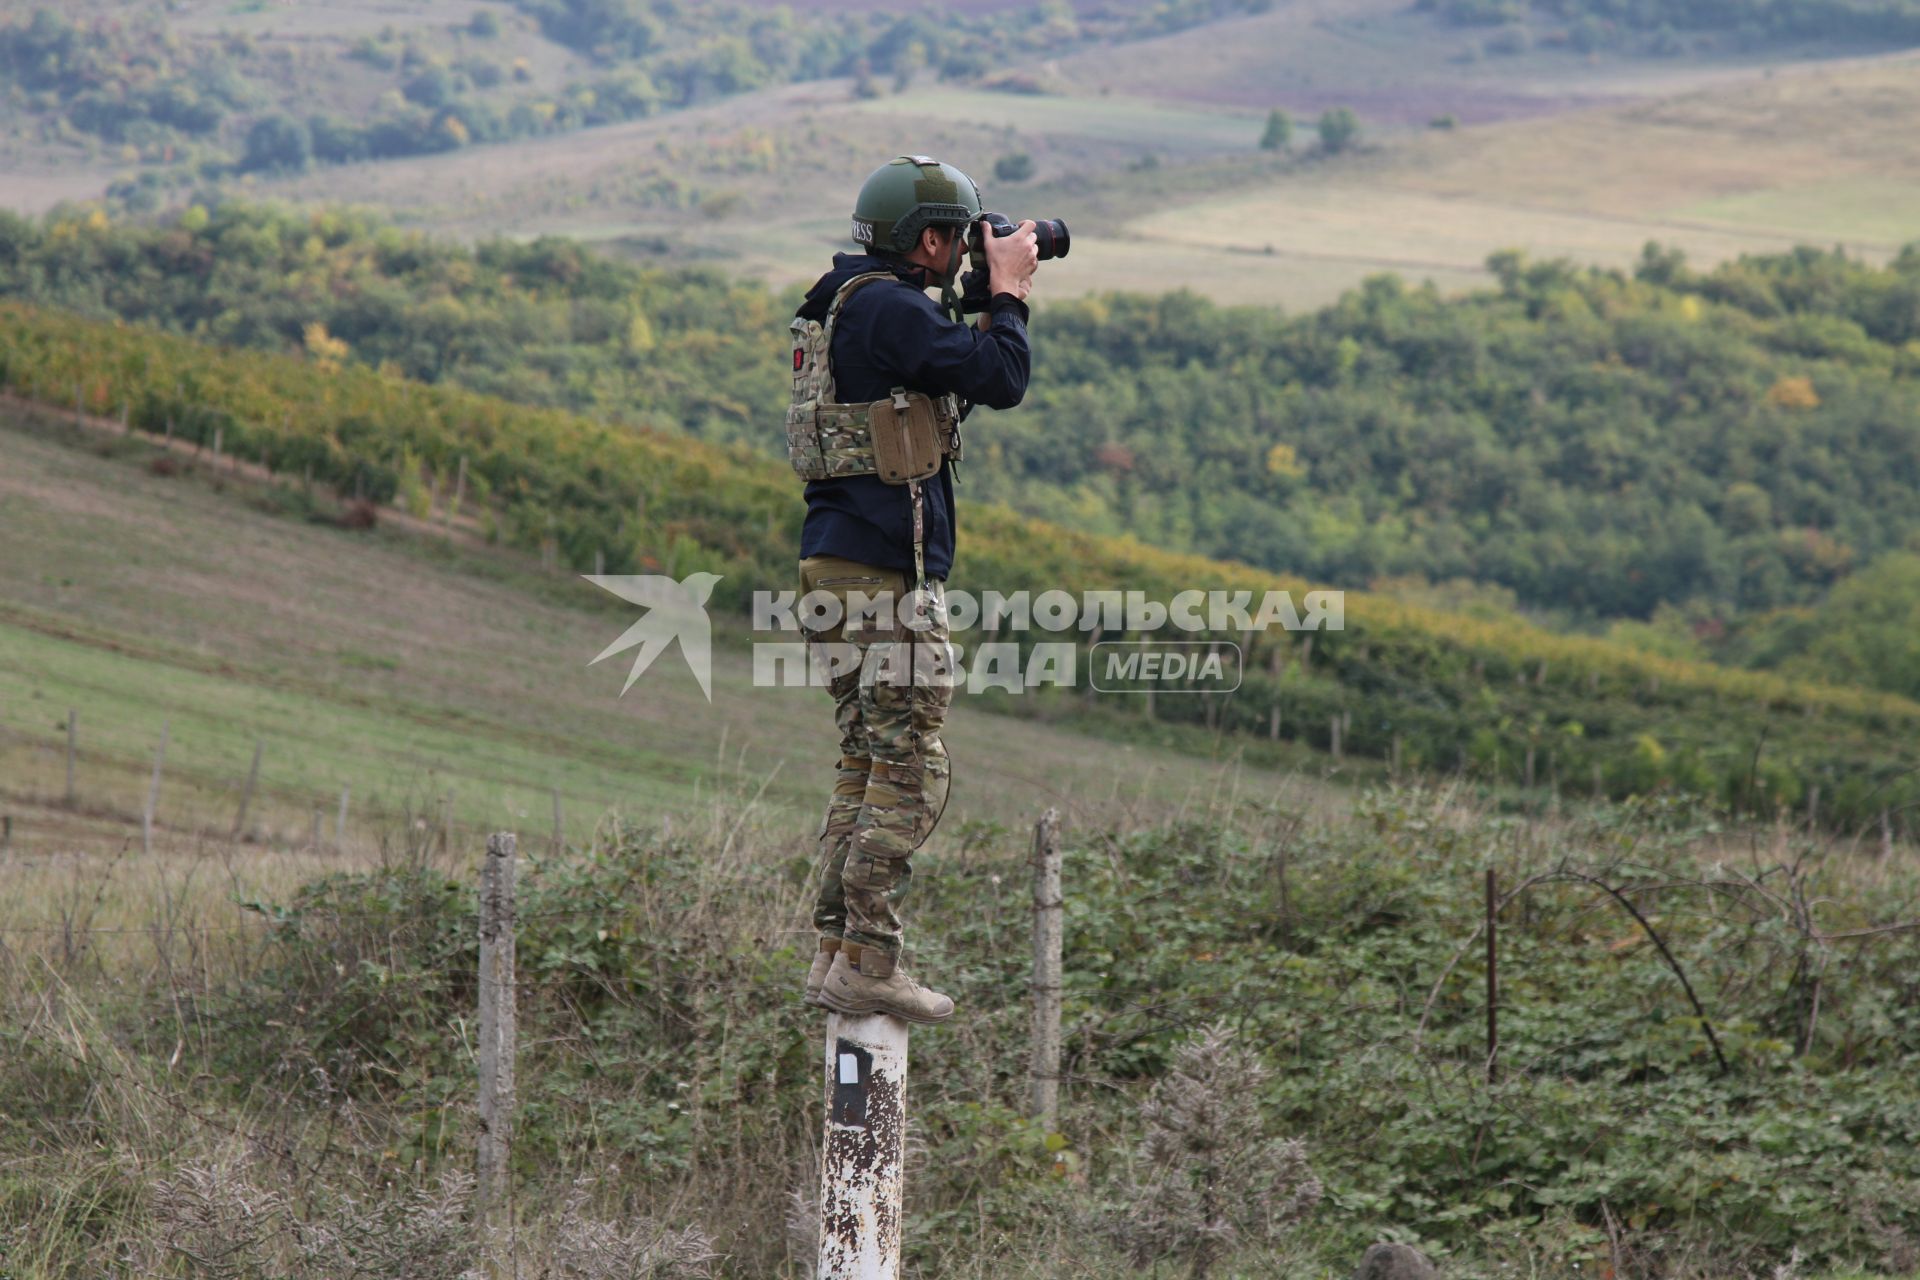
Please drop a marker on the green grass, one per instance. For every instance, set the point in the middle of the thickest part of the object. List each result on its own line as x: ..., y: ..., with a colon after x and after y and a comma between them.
x: 408, y: 671
x: 1883, y: 208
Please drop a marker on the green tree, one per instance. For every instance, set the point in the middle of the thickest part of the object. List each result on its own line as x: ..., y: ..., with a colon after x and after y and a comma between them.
x: 1339, y: 129
x: 1870, y: 629
x: 431, y: 88
x: 1279, y: 133
x: 278, y: 143
x: 1017, y: 167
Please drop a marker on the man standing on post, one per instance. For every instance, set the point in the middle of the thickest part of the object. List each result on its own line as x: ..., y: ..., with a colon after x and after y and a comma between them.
x: 882, y: 378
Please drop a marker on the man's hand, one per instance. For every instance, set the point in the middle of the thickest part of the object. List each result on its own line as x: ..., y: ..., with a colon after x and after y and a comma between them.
x: 1011, y: 260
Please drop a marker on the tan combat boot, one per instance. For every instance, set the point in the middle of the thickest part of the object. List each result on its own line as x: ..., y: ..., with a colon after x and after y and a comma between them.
x: 866, y: 980
x: 822, y: 961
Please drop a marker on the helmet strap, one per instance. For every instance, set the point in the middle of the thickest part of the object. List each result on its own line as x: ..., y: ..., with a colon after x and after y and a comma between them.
x: 950, y: 300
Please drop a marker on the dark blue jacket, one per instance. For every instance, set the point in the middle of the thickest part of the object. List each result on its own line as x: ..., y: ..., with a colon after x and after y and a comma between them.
x: 893, y: 335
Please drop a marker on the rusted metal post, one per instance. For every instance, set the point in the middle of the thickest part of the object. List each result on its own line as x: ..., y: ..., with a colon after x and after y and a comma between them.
x: 496, y: 1049
x: 861, y: 1165
x: 1048, y: 906
x: 1493, y: 977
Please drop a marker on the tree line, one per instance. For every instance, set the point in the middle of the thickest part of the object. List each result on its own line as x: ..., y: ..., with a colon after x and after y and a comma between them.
x: 1710, y: 453
x: 1401, y: 684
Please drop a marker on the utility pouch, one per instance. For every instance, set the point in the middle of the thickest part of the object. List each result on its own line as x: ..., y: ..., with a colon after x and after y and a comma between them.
x: 905, y: 431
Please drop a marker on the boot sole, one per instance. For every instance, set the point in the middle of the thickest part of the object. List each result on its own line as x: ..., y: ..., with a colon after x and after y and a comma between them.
x: 853, y: 1010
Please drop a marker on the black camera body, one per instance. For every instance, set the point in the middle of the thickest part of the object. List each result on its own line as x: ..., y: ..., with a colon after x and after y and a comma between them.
x: 1050, y: 233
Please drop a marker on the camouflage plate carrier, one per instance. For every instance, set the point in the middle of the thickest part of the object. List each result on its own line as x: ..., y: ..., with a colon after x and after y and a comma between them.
x: 902, y: 439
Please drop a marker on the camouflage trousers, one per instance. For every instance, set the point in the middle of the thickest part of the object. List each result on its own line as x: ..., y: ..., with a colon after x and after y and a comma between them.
x: 891, y: 687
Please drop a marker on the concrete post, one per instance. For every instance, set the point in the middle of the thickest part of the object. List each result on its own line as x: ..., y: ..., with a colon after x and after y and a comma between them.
x: 496, y: 1050
x: 861, y: 1171
x: 1048, y: 905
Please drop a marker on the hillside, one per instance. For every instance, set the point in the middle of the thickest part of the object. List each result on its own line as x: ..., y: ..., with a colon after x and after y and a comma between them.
x: 262, y: 1048
x: 1169, y: 190
x: 1582, y: 445
x: 436, y: 677
x: 1509, y: 703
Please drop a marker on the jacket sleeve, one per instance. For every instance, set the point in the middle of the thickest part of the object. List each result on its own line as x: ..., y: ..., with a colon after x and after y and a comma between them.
x: 939, y: 355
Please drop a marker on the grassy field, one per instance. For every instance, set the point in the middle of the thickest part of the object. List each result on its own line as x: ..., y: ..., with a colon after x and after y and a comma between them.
x: 434, y: 682
x: 1751, y: 163
x: 1814, y: 155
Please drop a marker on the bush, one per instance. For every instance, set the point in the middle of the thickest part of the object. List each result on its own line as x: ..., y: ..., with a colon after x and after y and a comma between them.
x: 1339, y: 129
x: 278, y: 143
x: 1017, y: 167
x: 1278, y: 135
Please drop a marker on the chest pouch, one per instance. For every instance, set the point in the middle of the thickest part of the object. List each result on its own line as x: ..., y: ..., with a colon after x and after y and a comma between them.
x: 908, y: 439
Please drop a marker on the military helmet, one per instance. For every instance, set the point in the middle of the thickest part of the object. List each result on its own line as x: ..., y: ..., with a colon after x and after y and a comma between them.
x: 908, y: 194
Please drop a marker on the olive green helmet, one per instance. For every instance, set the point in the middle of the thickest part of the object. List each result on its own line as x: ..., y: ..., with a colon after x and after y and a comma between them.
x: 908, y: 194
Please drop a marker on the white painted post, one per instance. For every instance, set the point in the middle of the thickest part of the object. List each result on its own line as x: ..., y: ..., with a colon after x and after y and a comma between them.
x: 861, y: 1175
x: 153, y: 792
x: 1048, y: 908
x: 496, y: 1048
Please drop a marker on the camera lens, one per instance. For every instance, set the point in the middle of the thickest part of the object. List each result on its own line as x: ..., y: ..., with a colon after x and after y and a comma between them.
x: 1051, y: 233
x: 1053, y: 237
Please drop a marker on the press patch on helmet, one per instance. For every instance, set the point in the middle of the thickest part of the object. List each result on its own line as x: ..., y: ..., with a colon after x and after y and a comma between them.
x: 862, y: 232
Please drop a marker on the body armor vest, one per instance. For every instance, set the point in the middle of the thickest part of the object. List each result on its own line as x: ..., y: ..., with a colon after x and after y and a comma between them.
x: 902, y: 439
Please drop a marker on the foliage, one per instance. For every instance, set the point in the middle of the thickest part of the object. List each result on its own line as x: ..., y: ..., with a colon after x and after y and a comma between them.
x: 1016, y: 166
x: 125, y: 79
x: 1343, y: 957
x: 1739, y: 439
x: 1278, y: 135
x: 1488, y: 695
x: 1339, y: 129
x: 1213, y: 1180
x: 278, y: 143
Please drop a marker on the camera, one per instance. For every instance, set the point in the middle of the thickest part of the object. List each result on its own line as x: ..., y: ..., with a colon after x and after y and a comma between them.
x: 1050, y: 232
x: 1051, y: 239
